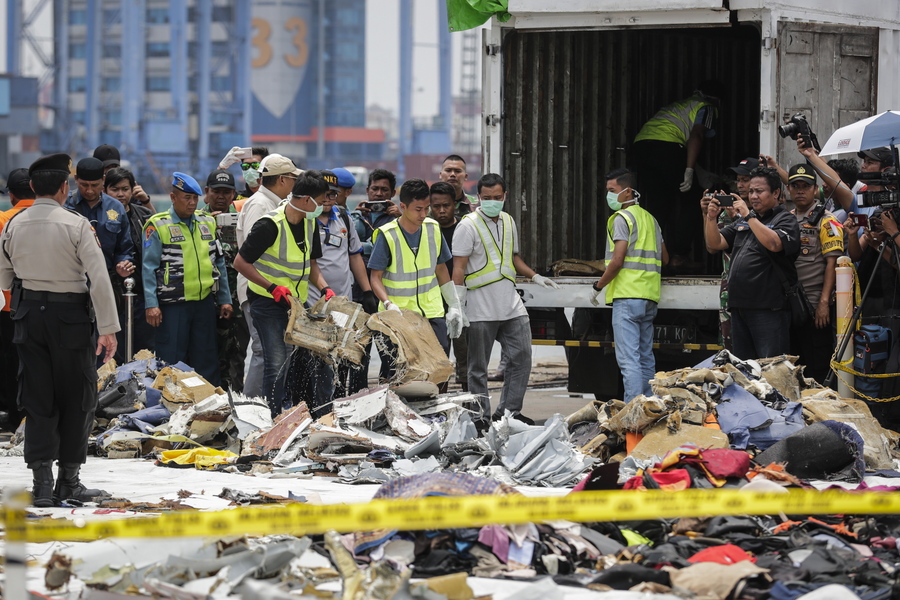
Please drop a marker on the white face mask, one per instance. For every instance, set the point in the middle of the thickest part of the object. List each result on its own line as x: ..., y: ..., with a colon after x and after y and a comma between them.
x: 306, y: 215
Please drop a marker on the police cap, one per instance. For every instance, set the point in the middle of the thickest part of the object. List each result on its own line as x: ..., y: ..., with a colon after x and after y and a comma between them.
x: 186, y: 183
x: 89, y: 169
x: 54, y: 163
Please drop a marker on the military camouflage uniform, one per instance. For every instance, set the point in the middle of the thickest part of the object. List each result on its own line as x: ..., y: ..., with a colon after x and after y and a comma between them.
x: 232, y: 334
x: 724, y: 313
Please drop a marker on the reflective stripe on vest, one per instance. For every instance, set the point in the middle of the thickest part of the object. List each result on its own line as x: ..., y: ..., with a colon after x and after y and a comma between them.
x: 410, y: 281
x: 187, y: 263
x: 674, y: 122
x: 499, y: 263
x: 641, y: 271
x: 285, y: 262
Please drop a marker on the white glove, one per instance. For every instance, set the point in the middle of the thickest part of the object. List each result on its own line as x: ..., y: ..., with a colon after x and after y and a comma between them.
x: 688, y: 180
x: 391, y: 306
x: 454, y: 316
x: 545, y: 282
x: 596, y: 296
x: 230, y: 158
x: 461, y: 292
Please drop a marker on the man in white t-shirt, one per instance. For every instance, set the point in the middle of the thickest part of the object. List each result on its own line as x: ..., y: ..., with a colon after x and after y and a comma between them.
x: 485, y: 263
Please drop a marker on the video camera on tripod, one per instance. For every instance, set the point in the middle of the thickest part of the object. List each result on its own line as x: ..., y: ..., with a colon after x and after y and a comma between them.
x: 886, y: 198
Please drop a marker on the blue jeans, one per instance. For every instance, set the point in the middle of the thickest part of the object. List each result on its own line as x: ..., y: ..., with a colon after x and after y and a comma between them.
x: 632, y: 321
x: 760, y: 332
x: 270, y: 319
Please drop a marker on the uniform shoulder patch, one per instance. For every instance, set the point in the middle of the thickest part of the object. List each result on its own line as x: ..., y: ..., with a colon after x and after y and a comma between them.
x: 112, y: 215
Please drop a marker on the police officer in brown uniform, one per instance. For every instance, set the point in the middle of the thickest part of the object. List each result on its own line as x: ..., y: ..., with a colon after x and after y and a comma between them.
x: 47, y: 256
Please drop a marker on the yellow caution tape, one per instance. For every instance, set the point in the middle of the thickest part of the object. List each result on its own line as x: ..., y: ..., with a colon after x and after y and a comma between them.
x: 448, y: 512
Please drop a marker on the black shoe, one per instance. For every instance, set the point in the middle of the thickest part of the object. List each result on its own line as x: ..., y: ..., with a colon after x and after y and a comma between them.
x: 69, y: 486
x: 42, y: 490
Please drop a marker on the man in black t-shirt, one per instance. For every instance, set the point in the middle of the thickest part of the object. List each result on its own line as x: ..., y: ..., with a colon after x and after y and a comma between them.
x: 278, y: 258
x: 763, y: 243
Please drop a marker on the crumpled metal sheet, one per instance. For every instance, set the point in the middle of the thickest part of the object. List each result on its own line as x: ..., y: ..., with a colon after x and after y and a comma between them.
x: 332, y: 330
x: 419, y: 355
x: 538, y: 455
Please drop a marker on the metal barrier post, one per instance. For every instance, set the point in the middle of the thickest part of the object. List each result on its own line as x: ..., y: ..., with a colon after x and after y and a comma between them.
x: 129, y: 299
x: 16, y: 561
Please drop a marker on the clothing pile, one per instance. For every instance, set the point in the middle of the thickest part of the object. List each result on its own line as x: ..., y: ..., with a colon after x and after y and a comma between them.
x: 765, y: 408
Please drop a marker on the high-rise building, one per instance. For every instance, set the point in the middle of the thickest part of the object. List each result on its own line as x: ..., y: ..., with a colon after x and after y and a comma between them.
x: 176, y: 83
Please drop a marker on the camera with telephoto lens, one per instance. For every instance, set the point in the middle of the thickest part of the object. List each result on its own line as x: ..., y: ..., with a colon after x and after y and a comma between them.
x: 797, y: 126
x: 886, y: 198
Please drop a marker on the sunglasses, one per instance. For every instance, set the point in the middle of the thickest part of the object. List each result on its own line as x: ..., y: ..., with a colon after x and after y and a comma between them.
x: 253, y: 165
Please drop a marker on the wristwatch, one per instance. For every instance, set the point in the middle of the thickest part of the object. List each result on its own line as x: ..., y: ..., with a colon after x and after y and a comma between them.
x: 596, y: 289
x: 751, y: 215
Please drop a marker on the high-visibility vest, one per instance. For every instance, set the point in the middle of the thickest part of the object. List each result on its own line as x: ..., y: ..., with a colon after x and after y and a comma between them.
x: 187, y: 268
x: 286, y: 262
x: 640, y: 274
x: 499, y: 263
x: 409, y: 280
x: 673, y: 123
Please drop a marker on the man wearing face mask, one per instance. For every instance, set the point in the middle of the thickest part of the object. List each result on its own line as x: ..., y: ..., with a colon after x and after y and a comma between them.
x: 485, y: 263
x: 278, y: 176
x: 250, y: 167
x: 635, y: 255
x: 278, y: 259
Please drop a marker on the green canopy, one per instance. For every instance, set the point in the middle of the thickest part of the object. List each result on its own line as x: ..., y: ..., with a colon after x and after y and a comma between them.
x: 468, y: 14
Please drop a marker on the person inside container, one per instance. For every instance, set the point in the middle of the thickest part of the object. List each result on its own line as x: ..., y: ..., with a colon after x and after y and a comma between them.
x: 765, y: 238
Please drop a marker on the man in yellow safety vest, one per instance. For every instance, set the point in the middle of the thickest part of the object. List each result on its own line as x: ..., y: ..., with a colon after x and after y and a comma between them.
x: 635, y: 255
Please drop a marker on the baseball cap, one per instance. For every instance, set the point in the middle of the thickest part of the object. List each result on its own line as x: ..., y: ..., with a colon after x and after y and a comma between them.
x: 109, y: 155
x: 186, y: 183
x: 89, y: 169
x: 18, y: 182
x: 882, y: 155
x: 331, y: 179
x: 220, y: 178
x: 276, y: 164
x: 802, y: 172
x: 745, y: 166
x: 344, y: 177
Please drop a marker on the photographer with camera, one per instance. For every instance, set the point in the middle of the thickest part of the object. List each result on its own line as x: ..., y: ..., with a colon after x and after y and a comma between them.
x: 765, y: 240
x: 378, y: 209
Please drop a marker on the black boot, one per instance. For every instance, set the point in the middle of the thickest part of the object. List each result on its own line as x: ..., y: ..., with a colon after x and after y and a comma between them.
x: 69, y: 486
x: 42, y: 491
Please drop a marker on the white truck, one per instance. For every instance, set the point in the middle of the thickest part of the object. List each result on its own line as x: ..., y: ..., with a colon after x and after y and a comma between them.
x: 567, y: 85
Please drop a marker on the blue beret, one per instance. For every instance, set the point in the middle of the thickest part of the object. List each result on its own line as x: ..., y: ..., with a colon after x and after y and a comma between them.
x: 186, y: 183
x: 344, y: 177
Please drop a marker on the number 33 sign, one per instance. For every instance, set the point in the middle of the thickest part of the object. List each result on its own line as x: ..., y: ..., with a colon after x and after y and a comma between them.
x: 281, y: 47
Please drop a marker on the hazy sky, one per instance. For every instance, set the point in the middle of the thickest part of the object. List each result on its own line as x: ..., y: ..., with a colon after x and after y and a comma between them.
x: 383, y: 49
x: 382, y: 53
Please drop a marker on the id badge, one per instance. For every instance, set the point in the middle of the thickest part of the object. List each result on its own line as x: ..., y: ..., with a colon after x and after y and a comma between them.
x: 333, y: 240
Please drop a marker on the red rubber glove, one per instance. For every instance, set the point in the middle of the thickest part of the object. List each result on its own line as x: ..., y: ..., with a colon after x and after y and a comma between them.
x: 328, y: 293
x: 280, y: 293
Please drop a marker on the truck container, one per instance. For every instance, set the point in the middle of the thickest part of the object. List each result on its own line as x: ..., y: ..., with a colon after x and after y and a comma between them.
x: 567, y: 85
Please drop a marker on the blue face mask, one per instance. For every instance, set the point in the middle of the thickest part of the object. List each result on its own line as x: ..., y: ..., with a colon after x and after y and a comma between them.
x: 492, y: 208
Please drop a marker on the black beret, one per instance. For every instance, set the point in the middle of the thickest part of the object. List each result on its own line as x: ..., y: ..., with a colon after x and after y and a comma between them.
x: 60, y: 163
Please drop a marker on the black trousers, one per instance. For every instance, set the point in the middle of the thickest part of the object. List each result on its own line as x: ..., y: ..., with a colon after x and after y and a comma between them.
x: 58, y: 378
